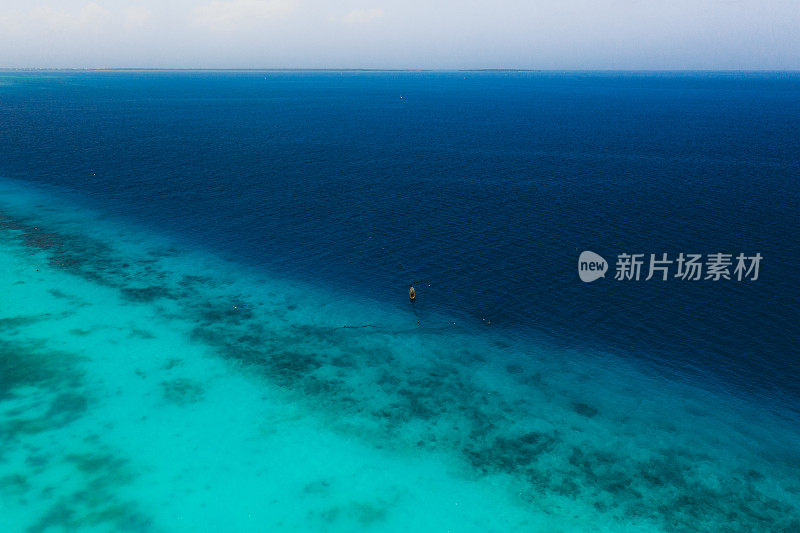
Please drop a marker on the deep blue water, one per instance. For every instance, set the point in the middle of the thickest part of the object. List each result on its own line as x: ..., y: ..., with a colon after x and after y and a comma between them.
x: 486, y: 186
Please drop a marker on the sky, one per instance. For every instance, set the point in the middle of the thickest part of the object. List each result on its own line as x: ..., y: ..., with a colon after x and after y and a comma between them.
x: 447, y: 34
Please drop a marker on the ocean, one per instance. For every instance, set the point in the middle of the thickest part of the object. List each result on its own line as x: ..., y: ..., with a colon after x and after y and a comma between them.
x: 205, y: 322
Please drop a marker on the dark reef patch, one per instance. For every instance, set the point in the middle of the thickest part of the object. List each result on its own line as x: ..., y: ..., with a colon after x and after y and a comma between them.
x: 182, y: 391
x: 10, y: 325
x: 15, y: 484
x: 58, y: 294
x: 172, y: 363
x: 584, y: 409
x: 514, y: 369
x: 510, y: 454
x: 189, y: 281
x: 96, y: 503
x: 46, y: 388
x: 141, y: 334
x: 53, y: 396
x: 357, y: 515
x: 31, y: 365
x: 146, y: 294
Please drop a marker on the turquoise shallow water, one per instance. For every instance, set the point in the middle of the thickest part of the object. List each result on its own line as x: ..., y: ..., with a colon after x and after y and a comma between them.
x: 146, y: 386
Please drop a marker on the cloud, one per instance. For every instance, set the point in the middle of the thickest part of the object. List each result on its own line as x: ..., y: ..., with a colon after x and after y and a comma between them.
x: 362, y: 16
x: 557, y: 34
x: 45, y: 17
x: 235, y: 14
x: 137, y: 16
